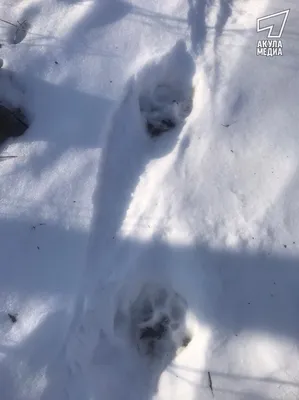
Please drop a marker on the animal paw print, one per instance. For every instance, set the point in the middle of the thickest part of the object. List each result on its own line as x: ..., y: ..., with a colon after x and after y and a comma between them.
x: 164, y: 109
x: 157, y: 322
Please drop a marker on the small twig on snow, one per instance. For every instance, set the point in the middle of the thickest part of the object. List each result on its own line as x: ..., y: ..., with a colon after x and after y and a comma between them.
x: 3, y: 158
x: 210, y: 383
x: 9, y: 23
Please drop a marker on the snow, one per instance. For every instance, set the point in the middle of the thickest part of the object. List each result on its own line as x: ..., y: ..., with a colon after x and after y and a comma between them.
x: 107, y: 231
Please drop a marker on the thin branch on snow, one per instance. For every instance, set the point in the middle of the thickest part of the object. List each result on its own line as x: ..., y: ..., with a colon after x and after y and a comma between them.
x: 9, y: 23
x: 210, y: 383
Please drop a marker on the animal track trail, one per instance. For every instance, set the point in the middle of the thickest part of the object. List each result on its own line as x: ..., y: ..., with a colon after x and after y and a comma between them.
x: 153, y: 327
x: 158, y: 98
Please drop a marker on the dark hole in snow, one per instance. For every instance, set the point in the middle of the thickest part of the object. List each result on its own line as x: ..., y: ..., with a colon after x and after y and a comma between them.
x: 155, y: 332
x: 13, y: 318
x: 186, y: 341
x: 13, y: 123
x: 163, y: 126
x: 19, y: 32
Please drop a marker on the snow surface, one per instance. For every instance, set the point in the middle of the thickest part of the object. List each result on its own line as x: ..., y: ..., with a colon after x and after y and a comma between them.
x: 100, y: 221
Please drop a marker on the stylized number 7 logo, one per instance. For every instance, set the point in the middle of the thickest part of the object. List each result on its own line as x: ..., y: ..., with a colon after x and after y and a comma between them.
x: 269, y: 28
